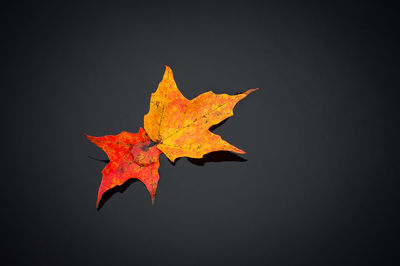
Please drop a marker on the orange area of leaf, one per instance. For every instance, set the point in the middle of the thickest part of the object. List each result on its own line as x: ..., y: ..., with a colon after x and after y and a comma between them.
x: 130, y: 157
x: 180, y: 127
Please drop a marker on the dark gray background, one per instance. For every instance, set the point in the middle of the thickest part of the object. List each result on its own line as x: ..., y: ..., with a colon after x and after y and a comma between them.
x: 321, y: 135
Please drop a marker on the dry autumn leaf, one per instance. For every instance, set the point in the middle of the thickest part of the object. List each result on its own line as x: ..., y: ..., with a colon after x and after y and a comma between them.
x: 180, y: 127
x: 130, y: 157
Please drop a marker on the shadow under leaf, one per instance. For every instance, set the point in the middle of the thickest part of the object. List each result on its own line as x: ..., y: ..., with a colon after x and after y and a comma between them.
x: 214, y: 127
x: 121, y: 189
x: 99, y: 160
x: 174, y: 163
x: 217, y: 156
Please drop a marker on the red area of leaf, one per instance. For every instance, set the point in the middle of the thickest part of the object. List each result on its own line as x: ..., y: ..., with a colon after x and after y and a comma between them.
x: 130, y: 156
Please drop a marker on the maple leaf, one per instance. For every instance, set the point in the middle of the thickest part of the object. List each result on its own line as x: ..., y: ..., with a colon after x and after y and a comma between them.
x: 130, y: 156
x: 180, y: 127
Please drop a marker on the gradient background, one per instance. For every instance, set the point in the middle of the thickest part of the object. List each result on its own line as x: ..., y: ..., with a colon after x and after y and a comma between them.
x: 322, y: 171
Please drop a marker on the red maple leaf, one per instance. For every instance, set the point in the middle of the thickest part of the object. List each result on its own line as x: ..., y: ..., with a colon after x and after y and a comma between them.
x: 130, y: 156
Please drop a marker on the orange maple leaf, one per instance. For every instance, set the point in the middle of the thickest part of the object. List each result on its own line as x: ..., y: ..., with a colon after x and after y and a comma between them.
x: 180, y: 127
x: 130, y: 157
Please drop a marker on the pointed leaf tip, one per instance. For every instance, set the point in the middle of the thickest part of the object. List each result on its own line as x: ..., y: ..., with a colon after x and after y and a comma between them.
x: 250, y: 91
x: 168, y: 73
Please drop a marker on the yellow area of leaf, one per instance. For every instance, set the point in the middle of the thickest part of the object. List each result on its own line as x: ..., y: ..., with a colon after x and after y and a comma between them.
x: 180, y: 127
